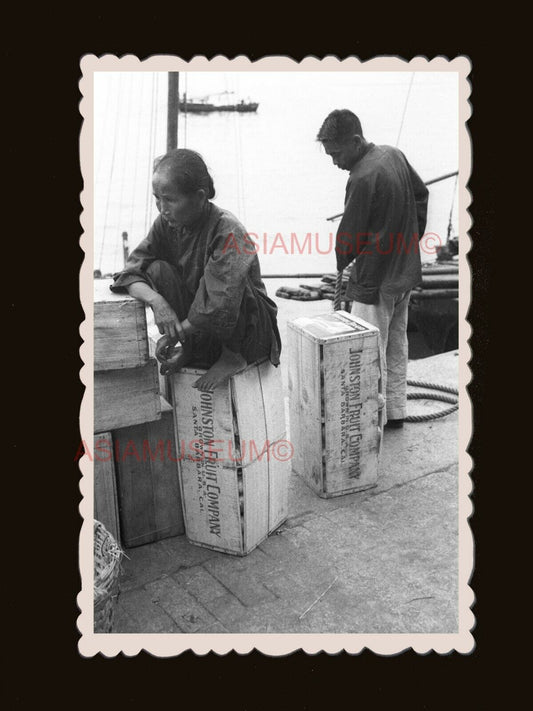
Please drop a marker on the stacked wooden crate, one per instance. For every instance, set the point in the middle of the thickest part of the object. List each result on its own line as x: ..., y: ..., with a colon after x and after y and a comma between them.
x: 335, y: 402
x: 131, y: 418
x: 147, y: 480
x: 222, y: 453
x: 105, y: 485
x: 234, y: 458
x: 126, y: 385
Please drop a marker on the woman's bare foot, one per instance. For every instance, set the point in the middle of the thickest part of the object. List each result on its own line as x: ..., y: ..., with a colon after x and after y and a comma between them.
x: 227, y: 365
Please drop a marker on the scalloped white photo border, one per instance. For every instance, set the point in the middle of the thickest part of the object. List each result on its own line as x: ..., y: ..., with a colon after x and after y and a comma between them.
x: 166, y: 645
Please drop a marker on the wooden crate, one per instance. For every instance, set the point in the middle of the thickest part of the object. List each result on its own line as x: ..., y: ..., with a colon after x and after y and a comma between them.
x: 129, y: 396
x: 334, y: 401
x: 120, y: 330
x: 234, y: 466
x: 149, y: 497
x: 105, y: 488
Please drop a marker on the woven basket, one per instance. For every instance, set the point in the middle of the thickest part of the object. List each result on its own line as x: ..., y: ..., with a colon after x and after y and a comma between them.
x: 107, y: 555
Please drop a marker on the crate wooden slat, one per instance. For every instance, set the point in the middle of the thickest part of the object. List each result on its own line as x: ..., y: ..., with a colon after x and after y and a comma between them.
x: 125, y: 397
x: 105, y: 488
x: 164, y: 384
x: 149, y: 495
x: 120, y: 329
x: 334, y: 398
x: 257, y: 393
x: 227, y: 440
x: 305, y: 406
x: 279, y: 472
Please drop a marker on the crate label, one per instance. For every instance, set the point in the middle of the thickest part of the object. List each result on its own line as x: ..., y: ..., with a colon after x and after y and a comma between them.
x: 205, y: 462
x: 350, y: 419
x: 351, y: 372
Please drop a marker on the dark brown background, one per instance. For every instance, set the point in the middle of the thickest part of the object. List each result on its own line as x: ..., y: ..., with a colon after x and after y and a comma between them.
x: 42, y: 258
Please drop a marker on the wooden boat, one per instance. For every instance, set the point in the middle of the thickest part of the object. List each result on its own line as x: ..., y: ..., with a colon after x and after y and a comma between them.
x: 434, y: 305
x: 201, y: 106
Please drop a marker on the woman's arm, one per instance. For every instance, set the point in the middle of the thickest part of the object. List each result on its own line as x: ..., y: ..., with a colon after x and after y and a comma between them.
x: 217, y: 302
x: 132, y: 279
x: 164, y: 316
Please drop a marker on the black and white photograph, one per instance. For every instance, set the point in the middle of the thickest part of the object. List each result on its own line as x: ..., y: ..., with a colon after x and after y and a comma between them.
x: 275, y: 418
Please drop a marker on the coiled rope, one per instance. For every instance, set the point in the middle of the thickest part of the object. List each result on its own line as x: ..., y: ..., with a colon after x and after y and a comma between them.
x: 432, y: 396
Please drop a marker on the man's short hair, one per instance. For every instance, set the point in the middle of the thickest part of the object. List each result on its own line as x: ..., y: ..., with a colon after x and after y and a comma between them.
x: 339, y: 126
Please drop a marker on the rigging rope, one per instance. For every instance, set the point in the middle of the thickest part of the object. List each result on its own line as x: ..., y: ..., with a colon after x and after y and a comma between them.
x: 113, y: 154
x: 185, y: 112
x: 405, y: 108
x: 233, y: 88
x: 136, y: 165
x: 450, y: 226
x: 240, y: 170
x: 150, y: 159
x: 119, y: 250
x: 104, y: 132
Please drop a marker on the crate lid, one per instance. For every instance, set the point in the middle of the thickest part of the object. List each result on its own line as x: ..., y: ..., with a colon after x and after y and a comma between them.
x: 102, y: 293
x: 193, y: 370
x: 332, y: 326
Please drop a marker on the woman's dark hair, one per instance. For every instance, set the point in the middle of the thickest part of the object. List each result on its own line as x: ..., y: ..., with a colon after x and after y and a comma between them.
x: 339, y: 126
x: 187, y: 171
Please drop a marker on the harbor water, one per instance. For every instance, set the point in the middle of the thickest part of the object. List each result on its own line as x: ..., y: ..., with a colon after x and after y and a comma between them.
x: 267, y: 166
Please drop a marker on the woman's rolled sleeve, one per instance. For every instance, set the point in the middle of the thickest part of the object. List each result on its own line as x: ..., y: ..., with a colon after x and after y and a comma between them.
x: 217, y: 303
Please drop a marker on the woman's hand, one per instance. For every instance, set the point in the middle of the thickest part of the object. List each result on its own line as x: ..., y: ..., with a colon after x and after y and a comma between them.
x: 167, y: 322
x: 172, y: 358
x: 162, y: 349
x: 165, y: 318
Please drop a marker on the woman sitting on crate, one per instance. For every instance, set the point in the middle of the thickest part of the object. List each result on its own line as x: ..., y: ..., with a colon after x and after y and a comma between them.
x: 199, y: 272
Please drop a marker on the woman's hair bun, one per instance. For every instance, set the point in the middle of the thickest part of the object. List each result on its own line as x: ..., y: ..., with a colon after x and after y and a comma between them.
x: 188, y: 171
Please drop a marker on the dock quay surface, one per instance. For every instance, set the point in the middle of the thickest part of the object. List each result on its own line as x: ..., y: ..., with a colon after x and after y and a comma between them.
x: 382, y: 561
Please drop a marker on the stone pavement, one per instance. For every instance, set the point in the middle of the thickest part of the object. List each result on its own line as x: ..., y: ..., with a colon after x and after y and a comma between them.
x: 381, y: 561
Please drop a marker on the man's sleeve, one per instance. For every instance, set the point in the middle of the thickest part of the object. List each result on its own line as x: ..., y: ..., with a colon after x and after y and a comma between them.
x: 421, y: 194
x: 362, y: 224
x: 139, y: 260
x: 217, y: 303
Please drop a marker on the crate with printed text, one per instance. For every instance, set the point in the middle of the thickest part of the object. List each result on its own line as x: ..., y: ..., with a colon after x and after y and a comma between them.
x: 234, y: 457
x: 335, y: 402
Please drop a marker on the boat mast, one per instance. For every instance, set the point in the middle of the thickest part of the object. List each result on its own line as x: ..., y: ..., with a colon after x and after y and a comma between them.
x: 173, y: 110
x: 125, y: 247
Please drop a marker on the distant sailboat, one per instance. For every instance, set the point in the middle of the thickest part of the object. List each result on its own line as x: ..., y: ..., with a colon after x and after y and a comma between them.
x: 202, y: 106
